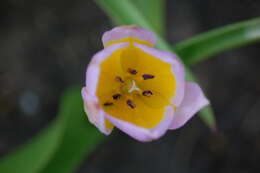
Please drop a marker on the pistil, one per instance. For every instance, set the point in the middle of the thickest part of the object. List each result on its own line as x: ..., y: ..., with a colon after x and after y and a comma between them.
x: 129, y: 86
x: 133, y: 87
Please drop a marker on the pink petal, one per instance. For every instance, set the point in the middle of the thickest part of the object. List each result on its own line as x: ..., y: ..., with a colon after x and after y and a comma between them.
x: 121, y: 32
x: 143, y: 134
x: 177, y: 69
x: 94, y: 112
x: 193, y: 101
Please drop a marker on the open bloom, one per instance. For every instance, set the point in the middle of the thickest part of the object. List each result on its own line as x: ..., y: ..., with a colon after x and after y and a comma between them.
x: 137, y: 88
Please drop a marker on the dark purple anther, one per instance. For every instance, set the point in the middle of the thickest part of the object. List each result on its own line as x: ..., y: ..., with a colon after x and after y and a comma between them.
x: 108, y: 104
x: 147, y: 93
x: 130, y: 104
x: 119, y: 79
x: 148, y: 76
x: 132, y: 71
x: 116, y: 96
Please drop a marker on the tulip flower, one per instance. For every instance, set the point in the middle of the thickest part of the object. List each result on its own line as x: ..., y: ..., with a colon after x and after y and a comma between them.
x: 137, y: 88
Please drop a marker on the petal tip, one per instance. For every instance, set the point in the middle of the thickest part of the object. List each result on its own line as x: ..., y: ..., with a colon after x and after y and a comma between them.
x: 131, y: 31
x: 194, y: 100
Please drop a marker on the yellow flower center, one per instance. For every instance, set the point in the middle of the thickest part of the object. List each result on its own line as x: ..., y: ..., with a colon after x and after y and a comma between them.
x: 135, y: 87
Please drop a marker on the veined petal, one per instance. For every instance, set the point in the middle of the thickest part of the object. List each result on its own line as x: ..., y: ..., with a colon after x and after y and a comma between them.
x: 95, y: 113
x: 176, y: 67
x: 124, y: 33
x: 193, y: 101
x: 144, y: 134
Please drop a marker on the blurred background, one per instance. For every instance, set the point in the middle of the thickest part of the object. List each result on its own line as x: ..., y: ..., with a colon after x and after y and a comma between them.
x: 46, y: 45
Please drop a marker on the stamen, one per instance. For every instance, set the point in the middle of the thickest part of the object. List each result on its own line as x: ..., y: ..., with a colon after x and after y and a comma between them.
x: 148, y: 76
x: 108, y: 104
x: 116, y: 96
x: 130, y: 104
x: 132, y: 71
x: 147, y: 93
x: 119, y: 79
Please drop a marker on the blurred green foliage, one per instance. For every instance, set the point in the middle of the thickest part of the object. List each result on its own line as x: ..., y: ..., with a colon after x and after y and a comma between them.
x: 155, y: 13
x: 61, y: 146
x: 205, y: 45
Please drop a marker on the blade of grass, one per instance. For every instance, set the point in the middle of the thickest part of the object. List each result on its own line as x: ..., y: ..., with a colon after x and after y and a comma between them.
x: 64, y: 142
x: 203, y: 46
x: 129, y: 14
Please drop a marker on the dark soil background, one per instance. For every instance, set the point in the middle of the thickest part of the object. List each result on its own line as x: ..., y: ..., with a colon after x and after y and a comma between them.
x: 46, y: 45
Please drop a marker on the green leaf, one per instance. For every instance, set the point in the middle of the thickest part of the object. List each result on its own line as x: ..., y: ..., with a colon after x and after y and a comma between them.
x: 218, y: 40
x: 210, y: 121
x: 34, y: 155
x: 60, y: 146
x: 127, y: 13
x: 80, y: 137
x: 123, y: 11
x: 203, y: 46
x: 154, y: 12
